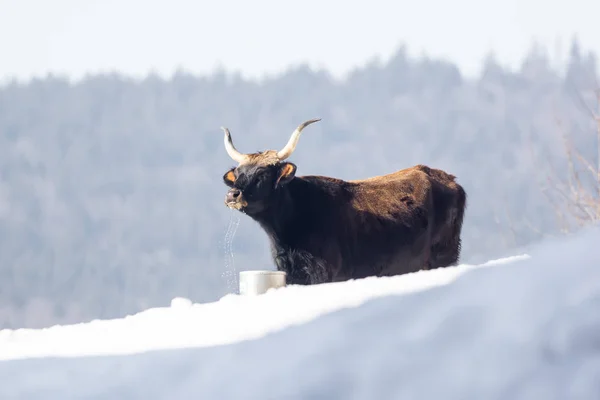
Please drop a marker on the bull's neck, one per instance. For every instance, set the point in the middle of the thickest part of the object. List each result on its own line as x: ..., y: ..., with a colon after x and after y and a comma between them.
x: 280, y: 213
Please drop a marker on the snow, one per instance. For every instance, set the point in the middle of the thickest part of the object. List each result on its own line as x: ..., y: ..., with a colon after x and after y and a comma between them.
x: 232, y: 319
x: 525, y: 327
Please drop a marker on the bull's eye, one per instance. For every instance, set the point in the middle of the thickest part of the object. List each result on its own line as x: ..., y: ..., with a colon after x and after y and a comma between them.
x: 255, y: 185
x: 249, y: 188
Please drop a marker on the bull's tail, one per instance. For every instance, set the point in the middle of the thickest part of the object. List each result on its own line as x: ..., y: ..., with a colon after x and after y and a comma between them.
x: 459, y: 214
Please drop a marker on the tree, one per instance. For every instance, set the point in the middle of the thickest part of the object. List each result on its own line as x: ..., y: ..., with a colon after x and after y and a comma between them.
x: 575, y: 195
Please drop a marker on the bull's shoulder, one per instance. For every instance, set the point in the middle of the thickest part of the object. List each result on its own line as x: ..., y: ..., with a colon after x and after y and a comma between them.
x: 319, y: 179
x: 320, y: 188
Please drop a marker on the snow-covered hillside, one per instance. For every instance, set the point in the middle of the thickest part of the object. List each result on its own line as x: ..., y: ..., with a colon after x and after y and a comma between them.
x: 519, y: 328
x: 232, y: 319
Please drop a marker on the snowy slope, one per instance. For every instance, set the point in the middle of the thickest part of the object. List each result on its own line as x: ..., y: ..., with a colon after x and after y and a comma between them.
x: 232, y: 319
x: 525, y: 329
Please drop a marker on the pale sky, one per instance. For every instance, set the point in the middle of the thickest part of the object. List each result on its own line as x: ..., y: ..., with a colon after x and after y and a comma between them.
x: 256, y: 37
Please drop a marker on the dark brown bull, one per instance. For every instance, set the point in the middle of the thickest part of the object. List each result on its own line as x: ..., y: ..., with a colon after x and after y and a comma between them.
x: 325, y: 229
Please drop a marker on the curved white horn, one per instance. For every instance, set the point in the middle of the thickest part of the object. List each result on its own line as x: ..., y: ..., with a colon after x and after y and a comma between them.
x: 291, y: 144
x: 231, y: 150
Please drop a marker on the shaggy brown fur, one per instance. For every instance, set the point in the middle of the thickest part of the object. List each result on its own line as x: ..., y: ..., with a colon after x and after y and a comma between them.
x: 325, y: 229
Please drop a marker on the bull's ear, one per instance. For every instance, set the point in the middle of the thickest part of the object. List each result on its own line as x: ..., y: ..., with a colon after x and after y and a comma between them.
x: 287, y: 171
x: 229, y: 178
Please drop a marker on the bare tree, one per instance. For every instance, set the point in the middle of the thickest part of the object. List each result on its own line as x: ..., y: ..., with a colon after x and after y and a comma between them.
x: 575, y: 193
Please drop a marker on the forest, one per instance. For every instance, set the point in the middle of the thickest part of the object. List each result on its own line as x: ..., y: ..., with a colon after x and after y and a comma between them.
x: 111, y: 192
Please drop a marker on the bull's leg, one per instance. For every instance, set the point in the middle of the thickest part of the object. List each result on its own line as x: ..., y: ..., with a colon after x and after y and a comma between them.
x: 427, y: 258
x: 316, y: 268
x: 295, y: 274
x: 445, y: 255
x: 317, y: 271
x: 302, y: 268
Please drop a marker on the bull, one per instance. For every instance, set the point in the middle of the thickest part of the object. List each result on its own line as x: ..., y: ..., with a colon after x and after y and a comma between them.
x: 323, y: 229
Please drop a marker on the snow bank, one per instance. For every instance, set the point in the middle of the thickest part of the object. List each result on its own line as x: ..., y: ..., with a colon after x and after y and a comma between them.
x: 528, y: 329
x: 232, y: 319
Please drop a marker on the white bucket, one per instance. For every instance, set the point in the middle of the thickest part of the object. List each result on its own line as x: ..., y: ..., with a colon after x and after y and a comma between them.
x: 253, y: 283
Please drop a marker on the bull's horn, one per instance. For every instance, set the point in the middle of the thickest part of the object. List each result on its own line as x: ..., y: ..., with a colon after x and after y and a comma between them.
x: 291, y: 144
x: 231, y: 150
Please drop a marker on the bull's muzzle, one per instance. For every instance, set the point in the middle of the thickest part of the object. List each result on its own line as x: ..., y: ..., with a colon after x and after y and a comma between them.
x: 235, y: 200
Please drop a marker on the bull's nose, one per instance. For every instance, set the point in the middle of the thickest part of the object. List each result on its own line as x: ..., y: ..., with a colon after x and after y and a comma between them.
x: 232, y: 195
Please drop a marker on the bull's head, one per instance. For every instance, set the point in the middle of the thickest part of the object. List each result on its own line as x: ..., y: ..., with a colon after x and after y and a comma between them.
x: 258, y: 176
